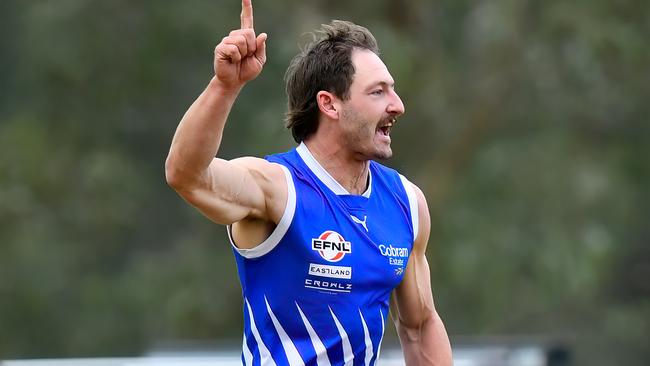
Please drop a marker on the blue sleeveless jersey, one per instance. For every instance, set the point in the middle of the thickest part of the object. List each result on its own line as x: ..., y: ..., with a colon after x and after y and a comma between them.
x: 316, y: 291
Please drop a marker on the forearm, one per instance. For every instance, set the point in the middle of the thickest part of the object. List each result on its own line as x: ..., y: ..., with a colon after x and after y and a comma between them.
x: 198, y: 136
x: 426, y: 344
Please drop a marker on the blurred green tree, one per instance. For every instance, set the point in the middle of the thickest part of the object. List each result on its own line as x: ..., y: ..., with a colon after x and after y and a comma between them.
x: 526, y: 127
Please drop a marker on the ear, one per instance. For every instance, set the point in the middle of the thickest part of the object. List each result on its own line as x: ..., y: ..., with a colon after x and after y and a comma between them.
x: 328, y: 104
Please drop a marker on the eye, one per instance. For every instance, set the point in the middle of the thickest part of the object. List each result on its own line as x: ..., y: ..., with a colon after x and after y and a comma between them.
x: 377, y: 92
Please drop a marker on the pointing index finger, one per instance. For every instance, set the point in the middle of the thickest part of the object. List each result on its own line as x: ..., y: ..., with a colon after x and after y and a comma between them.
x: 246, y: 14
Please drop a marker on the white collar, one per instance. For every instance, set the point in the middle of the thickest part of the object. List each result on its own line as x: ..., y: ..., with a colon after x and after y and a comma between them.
x: 324, y: 176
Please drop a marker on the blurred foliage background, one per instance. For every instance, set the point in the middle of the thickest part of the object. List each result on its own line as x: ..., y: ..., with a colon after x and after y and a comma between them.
x: 526, y: 127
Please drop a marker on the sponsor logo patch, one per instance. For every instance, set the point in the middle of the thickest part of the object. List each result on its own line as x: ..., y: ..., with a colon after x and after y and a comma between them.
x: 328, y: 285
x: 331, y: 246
x: 360, y: 222
x: 397, y: 256
x: 324, y: 270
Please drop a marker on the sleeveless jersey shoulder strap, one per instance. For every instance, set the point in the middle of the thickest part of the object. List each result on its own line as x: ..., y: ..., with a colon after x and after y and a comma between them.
x: 413, y: 204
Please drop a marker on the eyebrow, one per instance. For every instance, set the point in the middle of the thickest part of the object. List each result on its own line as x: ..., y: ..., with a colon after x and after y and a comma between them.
x: 382, y: 83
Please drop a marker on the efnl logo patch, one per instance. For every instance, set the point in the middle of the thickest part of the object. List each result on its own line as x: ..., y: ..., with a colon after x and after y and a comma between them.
x: 331, y: 246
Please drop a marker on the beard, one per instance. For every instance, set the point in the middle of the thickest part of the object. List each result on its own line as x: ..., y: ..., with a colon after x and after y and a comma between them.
x: 362, y: 136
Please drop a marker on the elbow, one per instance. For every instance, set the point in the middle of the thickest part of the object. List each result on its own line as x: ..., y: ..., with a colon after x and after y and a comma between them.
x: 174, y: 176
x: 171, y: 173
x: 184, y: 182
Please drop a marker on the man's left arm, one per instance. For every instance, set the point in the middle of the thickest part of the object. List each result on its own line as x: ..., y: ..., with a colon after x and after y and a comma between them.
x: 421, y: 331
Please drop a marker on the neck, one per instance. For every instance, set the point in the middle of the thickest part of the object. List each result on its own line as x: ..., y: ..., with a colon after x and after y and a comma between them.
x: 350, y: 172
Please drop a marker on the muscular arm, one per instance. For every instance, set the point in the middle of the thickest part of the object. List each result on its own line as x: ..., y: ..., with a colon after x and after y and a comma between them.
x: 225, y: 191
x: 420, y: 329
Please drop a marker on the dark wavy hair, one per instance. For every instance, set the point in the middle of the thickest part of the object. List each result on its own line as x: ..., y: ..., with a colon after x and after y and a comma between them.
x: 324, y: 64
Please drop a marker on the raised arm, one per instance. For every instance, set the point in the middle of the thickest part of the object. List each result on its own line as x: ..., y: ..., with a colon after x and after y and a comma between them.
x: 225, y: 191
x: 421, y: 331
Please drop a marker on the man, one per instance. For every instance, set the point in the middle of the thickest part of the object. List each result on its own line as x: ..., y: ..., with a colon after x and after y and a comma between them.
x: 324, y: 237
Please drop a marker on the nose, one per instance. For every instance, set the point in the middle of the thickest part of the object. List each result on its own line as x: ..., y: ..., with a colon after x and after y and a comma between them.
x: 395, y: 106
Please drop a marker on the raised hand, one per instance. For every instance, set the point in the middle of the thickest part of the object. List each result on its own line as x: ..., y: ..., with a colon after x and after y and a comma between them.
x: 241, y: 55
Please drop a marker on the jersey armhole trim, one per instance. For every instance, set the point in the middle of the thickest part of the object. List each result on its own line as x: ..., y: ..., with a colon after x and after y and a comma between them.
x: 280, y: 230
x: 413, y: 205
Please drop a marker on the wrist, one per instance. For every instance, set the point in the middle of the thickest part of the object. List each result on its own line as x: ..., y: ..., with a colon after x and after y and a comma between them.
x: 224, y: 90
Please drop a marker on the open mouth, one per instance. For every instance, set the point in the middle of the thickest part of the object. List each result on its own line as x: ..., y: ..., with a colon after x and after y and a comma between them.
x: 385, y: 126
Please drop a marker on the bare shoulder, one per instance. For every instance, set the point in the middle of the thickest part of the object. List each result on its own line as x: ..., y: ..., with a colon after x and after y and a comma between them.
x: 271, y: 179
x: 261, y: 168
